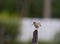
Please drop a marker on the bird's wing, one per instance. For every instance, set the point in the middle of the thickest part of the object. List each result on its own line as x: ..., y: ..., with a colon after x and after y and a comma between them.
x: 39, y: 24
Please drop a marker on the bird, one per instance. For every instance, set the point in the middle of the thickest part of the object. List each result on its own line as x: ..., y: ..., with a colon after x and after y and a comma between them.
x: 36, y: 24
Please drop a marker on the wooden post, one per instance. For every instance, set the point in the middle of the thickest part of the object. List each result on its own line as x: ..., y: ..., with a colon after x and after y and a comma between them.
x: 35, y: 37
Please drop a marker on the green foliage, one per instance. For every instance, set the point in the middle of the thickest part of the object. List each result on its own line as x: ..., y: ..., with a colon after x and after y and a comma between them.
x: 10, y: 25
x: 36, y: 8
x: 56, y: 8
x: 9, y: 5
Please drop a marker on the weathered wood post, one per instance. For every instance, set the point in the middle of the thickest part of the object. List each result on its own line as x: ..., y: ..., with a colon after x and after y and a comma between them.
x: 35, y: 37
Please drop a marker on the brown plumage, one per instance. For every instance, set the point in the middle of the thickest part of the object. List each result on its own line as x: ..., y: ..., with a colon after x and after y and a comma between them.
x: 36, y: 24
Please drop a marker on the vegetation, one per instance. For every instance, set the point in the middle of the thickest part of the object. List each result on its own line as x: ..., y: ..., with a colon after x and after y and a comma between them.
x: 35, y: 8
x: 8, y: 26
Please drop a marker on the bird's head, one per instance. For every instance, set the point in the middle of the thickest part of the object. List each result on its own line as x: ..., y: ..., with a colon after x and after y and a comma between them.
x: 34, y: 22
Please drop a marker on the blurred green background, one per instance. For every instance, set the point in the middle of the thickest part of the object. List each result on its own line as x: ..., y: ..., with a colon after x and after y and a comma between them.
x: 11, y: 11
